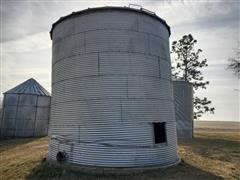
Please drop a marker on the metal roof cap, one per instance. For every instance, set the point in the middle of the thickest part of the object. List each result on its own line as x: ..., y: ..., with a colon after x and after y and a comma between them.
x: 90, y: 10
x: 30, y: 86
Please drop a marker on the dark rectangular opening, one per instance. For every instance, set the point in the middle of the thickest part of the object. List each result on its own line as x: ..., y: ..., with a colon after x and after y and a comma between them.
x: 160, y: 132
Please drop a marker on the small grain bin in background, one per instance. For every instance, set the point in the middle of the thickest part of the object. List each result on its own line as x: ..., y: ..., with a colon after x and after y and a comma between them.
x: 112, y: 101
x: 0, y: 117
x: 25, y: 111
x: 183, y: 99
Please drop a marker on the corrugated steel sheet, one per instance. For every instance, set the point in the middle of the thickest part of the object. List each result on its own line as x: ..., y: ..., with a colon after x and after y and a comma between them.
x: 183, y: 100
x: 31, y: 86
x: 26, y: 110
x: 111, y: 82
x: 111, y: 17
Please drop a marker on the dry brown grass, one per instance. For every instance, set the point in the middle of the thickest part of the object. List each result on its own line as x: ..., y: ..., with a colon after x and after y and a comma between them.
x: 211, y: 155
x: 18, y: 157
x: 214, y: 151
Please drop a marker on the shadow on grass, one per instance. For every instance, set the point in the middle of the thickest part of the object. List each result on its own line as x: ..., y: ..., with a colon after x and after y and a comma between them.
x: 47, y: 170
x: 222, y: 152
x: 212, y: 147
x: 11, y: 143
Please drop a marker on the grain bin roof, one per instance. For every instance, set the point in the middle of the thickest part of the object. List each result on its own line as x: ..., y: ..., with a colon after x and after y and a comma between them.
x: 31, y: 86
x: 90, y: 10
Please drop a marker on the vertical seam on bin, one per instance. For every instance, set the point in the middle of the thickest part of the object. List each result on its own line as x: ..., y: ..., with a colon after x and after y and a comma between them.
x: 166, y: 132
x: 1, y: 122
x: 71, y: 152
x: 58, y: 148
x: 15, y: 123
x: 159, y: 67
x: 121, y: 110
x: 153, y: 134
x: 84, y: 42
x: 35, y: 118
x: 78, y: 133
x: 49, y: 114
x: 98, y: 63
x: 138, y: 22
x: 127, y: 86
x: 148, y: 37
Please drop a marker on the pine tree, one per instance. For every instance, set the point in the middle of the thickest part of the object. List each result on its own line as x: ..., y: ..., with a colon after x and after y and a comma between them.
x: 187, y: 67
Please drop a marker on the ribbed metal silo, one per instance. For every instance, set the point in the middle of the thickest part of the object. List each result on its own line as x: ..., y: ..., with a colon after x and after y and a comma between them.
x: 183, y: 99
x: 25, y: 111
x: 112, y: 100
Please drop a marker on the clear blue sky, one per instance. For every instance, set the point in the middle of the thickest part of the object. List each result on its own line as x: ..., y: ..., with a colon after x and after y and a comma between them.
x: 26, y: 45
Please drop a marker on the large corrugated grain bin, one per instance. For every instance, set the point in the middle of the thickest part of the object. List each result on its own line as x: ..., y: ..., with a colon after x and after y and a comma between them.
x: 183, y: 99
x: 112, y: 98
x: 25, y: 111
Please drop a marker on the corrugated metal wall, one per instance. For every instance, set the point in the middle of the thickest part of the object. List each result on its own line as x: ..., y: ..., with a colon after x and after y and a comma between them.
x: 25, y: 115
x: 183, y: 98
x: 110, y: 82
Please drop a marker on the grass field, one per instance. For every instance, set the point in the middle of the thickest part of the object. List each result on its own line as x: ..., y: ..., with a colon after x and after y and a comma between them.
x: 211, y: 155
x: 217, y: 125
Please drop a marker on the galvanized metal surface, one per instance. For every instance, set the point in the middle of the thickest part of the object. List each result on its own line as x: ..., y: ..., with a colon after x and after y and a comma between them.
x: 111, y: 81
x: 183, y: 98
x: 108, y: 10
x: 24, y: 114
